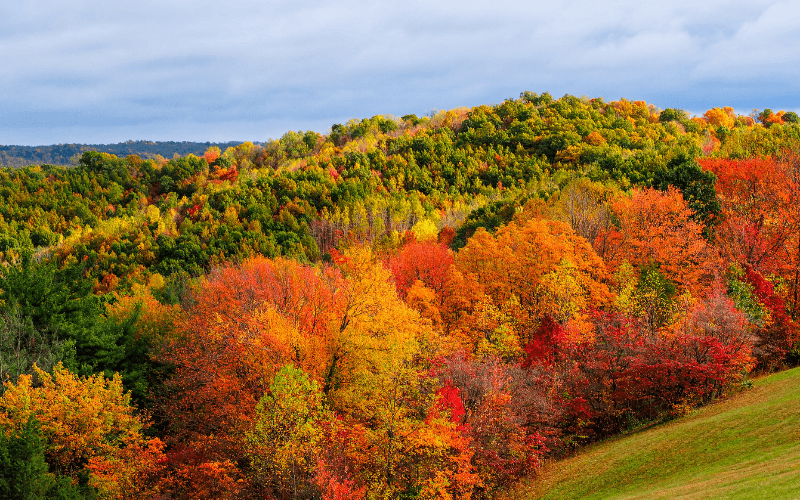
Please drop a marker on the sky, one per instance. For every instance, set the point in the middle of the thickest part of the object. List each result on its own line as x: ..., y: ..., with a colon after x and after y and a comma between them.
x: 90, y: 71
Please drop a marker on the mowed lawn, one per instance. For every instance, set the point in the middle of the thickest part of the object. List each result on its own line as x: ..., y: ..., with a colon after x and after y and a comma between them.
x: 745, y: 447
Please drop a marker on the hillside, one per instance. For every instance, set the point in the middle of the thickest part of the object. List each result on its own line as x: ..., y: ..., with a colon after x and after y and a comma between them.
x: 417, y: 308
x: 745, y: 447
x: 68, y: 154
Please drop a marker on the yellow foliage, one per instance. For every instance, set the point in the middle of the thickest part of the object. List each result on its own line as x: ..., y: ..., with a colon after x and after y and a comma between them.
x: 153, y: 214
x: 543, y: 263
x: 156, y: 320
x: 720, y: 117
x: 425, y: 230
x: 89, y: 426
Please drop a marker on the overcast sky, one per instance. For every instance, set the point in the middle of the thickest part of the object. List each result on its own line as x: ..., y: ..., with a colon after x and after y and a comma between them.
x: 91, y: 71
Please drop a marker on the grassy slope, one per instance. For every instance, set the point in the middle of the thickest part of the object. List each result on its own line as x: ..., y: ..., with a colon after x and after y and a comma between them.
x: 745, y: 447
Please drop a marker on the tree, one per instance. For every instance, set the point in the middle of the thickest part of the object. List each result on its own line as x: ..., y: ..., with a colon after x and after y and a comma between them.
x: 22, y: 346
x: 585, y: 206
x: 23, y: 470
x: 720, y: 117
x: 427, y: 262
x: 540, y: 264
x: 344, y: 326
x: 761, y: 206
x: 287, y: 434
x: 504, y: 411
x: 90, y: 428
x: 697, y: 187
x: 657, y: 228
x: 57, y: 301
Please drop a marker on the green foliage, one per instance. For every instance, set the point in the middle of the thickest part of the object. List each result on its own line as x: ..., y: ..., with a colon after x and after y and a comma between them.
x: 280, y: 198
x: 653, y: 298
x: 697, y: 187
x: 489, y: 217
x: 49, y: 315
x: 52, y: 298
x: 22, y: 345
x: 24, y: 472
x: 744, y: 297
x: 285, y: 441
x: 672, y: 114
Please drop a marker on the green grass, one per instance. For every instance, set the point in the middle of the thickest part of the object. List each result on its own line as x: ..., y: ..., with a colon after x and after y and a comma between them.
x: 744, y: 447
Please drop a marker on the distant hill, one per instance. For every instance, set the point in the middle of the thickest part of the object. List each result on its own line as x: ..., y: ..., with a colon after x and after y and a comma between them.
x: 66, y: 154
x: 746, y: 447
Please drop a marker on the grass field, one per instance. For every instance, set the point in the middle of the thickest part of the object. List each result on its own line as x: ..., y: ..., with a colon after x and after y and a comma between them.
x: 744, y: 447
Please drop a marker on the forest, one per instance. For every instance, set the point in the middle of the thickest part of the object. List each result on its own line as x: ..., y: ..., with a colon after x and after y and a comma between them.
x: 403, y: 308
x: 69, y: 154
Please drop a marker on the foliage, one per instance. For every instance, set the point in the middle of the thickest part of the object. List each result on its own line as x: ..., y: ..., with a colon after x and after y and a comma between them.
x: 90, y: 429
x: 403, y: 308
x: 287, y: 433
x: 24, y: 473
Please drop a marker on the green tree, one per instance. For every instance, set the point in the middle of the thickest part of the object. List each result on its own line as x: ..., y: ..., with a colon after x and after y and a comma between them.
x: 22, y: 345
x: 285, y: 441
x: 24, y: 472
x: 696, y: 185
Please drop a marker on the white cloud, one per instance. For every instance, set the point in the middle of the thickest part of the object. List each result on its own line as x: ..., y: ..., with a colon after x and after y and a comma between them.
x: 180, y: 70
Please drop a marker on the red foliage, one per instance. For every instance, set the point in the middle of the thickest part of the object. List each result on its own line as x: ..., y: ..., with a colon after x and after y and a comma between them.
x: 450, y: 400
x: 759, y: 199
x: 765, y: 291
x: 230, y: 174
x: 446, y: 236
x: 192, y: 475
x: 506, y: 414
x: 231, y: 341
x: 627, y: 376
x: 193, y: 210
x: 338, y: 258
x: 778, y: 336
x: 211, y: 155
x: 334, y: 487
x: 425, y: 261
x: 545, y: 344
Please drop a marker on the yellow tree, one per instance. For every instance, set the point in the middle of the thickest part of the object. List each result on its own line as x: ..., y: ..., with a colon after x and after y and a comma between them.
x: 541, y: 265
x: 90, y: 428
x: 380, y: 384
x: 720, y: 117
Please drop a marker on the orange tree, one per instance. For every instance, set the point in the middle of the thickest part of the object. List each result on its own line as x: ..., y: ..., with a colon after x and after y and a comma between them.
x: 90, y: 428
x: 534, y: 269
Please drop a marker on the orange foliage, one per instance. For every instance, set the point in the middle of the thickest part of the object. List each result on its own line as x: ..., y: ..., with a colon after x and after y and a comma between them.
x: 539, y: 264
x: 594, y: 138
x: 155, y: 320
x: 631, y: 109
x: 212, y: 154
x: 244, y: 322
x: 720, y: 117
x: 656, y: 227
x: 90, y: 427
x: 776, y: 118
x: 761, y: 206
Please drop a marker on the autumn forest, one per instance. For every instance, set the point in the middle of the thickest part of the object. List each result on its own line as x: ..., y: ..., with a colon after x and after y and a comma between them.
x: 404, y: 308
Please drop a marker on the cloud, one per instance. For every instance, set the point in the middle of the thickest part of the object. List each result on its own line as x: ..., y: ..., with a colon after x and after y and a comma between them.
x: 249, y: 70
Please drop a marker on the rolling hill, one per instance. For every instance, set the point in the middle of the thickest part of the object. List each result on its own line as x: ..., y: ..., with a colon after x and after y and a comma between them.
x: 745, y: 447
